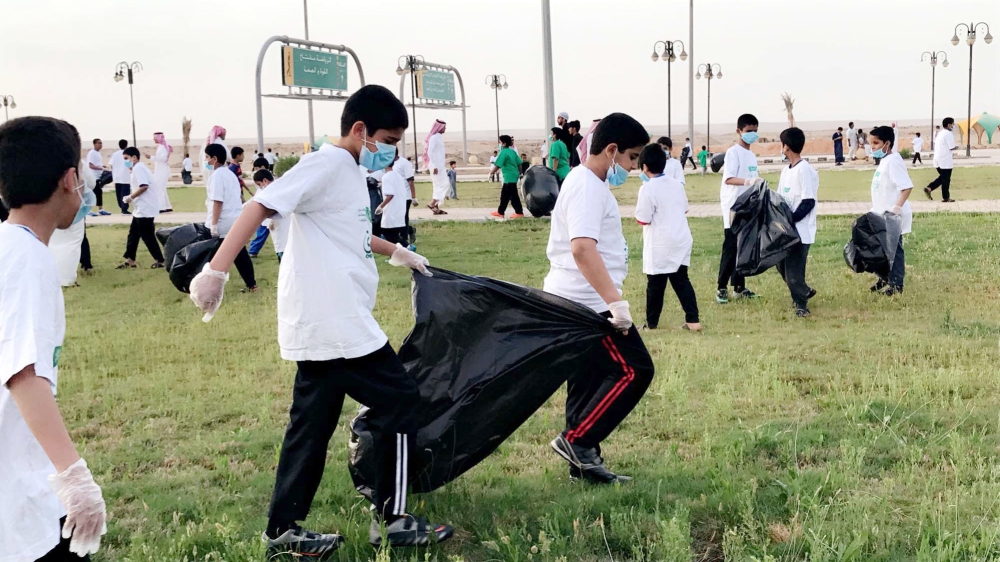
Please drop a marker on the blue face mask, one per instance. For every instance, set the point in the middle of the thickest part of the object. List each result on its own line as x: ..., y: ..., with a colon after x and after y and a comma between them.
x: 128, y: 163
x: 87, y: 201
x: 878, y: 153
x: 750, y: 137
x: 643, y: 177
x: 377, y: 160
x: 209, y: 167
x: 616, y: 174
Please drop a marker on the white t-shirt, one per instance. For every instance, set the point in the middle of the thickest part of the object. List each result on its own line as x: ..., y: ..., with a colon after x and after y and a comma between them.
x: 918, y: 144
x: 94, y: 159
x: 32, y: 331
x: 188, y: 165
x: 404, y: 168
x: 146, y: 205
x: 890, y: 178
x: 269, y: 156
x: 279, y: 233
x: 327, y: 280
x: 119, y: 173
x: 943, y: 145
x: 666, y: 238
x: 798, y: 183
x: 394, y: 214
x: 225, y: 187
x: 740, y: 163
x: 586, y: 208
x: 493, y: 159
x: 852, y: 137
x: 674, y: 170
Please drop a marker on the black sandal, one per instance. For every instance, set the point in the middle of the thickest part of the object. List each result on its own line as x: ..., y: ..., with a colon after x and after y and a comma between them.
x: 157, y: 265
x: 125, y: 265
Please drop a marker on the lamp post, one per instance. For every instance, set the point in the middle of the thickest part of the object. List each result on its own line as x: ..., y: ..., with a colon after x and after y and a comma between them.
x: 669, y: 57
x: 412, y: 64
x: 7, y: 100
x: 497, y: 82
x: 121, y: 71
x: 934, y: 62
x: 711, y: 71
x: 970, y: 30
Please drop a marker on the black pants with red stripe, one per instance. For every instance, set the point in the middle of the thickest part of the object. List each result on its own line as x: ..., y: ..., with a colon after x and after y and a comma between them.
x: 602, y: 395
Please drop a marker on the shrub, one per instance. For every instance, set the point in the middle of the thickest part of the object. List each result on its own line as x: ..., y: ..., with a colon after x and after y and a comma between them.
x: 284, y: 164
x: 906, y: 153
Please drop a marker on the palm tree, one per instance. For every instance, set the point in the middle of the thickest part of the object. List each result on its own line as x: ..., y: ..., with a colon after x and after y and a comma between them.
x: 789, y: 108
x: 186, y: 132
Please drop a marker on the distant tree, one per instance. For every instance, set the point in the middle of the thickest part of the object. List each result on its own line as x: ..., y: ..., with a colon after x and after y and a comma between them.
x: 186, y: 132
x: 789, y: 108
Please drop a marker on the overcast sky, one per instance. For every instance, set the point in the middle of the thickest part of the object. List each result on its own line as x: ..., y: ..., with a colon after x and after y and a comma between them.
x: 840, y: 60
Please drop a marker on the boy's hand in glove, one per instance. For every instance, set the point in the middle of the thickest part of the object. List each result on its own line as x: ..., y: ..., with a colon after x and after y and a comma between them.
x: 621, y: 318
x: 207, y: 290
x: 85, y: 511
x: 403, y: 257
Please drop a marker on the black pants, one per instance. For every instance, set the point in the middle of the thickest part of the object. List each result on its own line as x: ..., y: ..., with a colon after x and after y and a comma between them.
x: 602, y: 395
x: 378, y: 381
x: 61, y: 552
x: 897, y: 275
x: 917, y: 158
x: 694, y: 164
x: 943, y: 181
x: 508, y: 194
x: 142, y: 228
x: 406, y: 220
x: 395, y: 235
x: 244, y: 264
x: 85, y: 262
x: 793, y: 271
x: 121, y: 190
x: 656, y: 286
x: 727, y: 265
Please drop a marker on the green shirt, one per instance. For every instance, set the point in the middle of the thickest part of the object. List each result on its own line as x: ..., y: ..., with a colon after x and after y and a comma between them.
x: 510, y: 165
x: 703, y: 158
x: 559, y: 150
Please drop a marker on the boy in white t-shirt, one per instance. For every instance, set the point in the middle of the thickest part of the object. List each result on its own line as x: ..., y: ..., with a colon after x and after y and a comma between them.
x: 263, y: 178
x: 799, y: 188
x: 673, y: 168
x: 145, y: 208
x: 404, y: 168
x: 918, y: 145
x: 666, y: 239
x: 326, y: 291
x: 891, y: 188
x: 588, y: 258
x: 50, y: 506
x: 738, y: 175
x: 223, y: 203
x: 393, y: 207
x: 944, y: 144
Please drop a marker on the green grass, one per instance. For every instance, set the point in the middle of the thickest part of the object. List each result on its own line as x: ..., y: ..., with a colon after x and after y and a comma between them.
x: 867, y: 432
x: 835, y: 185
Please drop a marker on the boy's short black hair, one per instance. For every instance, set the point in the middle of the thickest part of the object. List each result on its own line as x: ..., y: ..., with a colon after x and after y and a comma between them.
x: 653, y: 158
x: 452, y: 163
x: 186, y: 155
x: 621, y: 130
x: 236, y: 151
x: 666, y: 141
x: 376, y: 107
x: 96, y: 141
x: 918, y: 133
x: 506, y: 140
x: 217, y: 151
x: 840, y: 128
x: 703, y: 147
x: 23, y: 180
x: 122, y: 144
x: 132, y: 151
x: 947, y: 121
x: 262, y: 174
x: 851, y: 124
x: 573, y: 125
x: 794, y: 139
x: 746, y: 120
x: 884, y: 134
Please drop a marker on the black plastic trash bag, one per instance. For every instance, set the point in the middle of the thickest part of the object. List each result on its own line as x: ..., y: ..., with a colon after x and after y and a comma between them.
x: 873, y: 244
x: 176, y: 237
x: 718, y: 161
x: 539, y: 190
x: 103, y: 179
x: 764, y: 230
x: 486, y: 355
x: 190, y: 260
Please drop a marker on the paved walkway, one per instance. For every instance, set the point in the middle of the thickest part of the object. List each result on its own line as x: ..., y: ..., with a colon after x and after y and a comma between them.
x: 466, y: 214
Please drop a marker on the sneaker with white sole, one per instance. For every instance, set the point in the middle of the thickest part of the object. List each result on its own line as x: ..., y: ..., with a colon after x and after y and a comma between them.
x: 299, y: 543
x: 409, y: 530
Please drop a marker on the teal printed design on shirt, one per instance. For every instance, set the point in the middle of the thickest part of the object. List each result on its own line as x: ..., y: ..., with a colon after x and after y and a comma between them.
x: 365, y: 214
x: 626, y: 251
x: 55, y: 356
x: 368, y: 246
x: 875, y: 182
x: 753, y: 171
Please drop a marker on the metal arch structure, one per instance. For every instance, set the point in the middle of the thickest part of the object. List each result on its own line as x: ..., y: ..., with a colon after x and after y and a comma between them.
x: 431, y: 104
x: 296, y: 92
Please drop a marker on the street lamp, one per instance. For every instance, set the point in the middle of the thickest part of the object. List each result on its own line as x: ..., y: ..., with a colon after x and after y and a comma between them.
x: 7, y: 100
x: 497, y: 82
x: 121, y: 71
x: 970, y: 39
x: 934, y: 62
x: 711, y: 71
x: 412, y: 64
x: 668, y: 57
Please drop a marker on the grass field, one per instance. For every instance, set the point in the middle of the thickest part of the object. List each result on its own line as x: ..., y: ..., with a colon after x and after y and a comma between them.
x: 867, y: 432
x: 835, y: 185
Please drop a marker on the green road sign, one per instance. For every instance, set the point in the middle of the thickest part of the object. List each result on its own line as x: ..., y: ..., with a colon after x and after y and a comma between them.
x: 436, y: 85
x: 314, y: 69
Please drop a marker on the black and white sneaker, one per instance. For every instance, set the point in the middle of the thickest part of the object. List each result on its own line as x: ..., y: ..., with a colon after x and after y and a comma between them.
x: 893, y: 291
x: 802, y: 312
x: 881, y: 284
x: 586, y: 464
x: 298, y: 542
x: 409, y: 531
x: 745, y: 293
x: 722, y: 297
x: 812, y: 293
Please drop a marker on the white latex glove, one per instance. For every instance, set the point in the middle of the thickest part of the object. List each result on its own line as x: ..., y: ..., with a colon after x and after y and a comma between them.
x: 403, y: 257
x: 896, y: 210
x: 621, y: 318
x: 214, y: 229
x: 127, y: 199
x: 207, y: 289
x: 85, y: 511
x: 754, y: 182
x: 379, y: 210
x: 415, y: 202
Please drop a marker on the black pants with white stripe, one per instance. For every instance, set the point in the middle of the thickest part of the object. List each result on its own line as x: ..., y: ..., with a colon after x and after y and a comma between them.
x: 378, y: 381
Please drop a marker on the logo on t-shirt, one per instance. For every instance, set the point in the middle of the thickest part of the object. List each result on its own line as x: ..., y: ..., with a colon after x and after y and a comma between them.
x: 753, y: 170
x: 365, y: 214
x: 368, y: 246
x: 55, y: 356
x: 876, y: 182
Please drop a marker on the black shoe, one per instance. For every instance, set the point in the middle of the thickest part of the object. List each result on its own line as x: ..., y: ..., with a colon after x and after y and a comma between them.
x: 299, y: 543
x: 409, y: 531
x: 881, y: 284
x: 586, y: 464
x: 745, y: 294
x: 929, y: 193
x: 802, y: 312
x: 812, y: 293
x: 893, y: 291
x: 722, y: 297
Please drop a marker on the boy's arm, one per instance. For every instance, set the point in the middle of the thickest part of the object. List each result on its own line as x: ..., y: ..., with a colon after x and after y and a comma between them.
x: 239, y: 235
x: 34, y: 399
x: 591, y: 265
